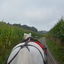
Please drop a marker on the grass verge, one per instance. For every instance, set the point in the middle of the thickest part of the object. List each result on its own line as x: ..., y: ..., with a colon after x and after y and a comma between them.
x: 57, y: 51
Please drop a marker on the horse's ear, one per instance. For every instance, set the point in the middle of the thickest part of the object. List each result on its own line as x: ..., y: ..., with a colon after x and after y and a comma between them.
x: 24, y: 34
x: 30, y: 34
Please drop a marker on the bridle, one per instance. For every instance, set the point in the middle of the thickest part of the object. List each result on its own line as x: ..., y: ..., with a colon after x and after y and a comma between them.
x: 22, y: 46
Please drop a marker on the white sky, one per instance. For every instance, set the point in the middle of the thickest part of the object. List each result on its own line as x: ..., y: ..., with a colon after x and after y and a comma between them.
x: 42, y: 14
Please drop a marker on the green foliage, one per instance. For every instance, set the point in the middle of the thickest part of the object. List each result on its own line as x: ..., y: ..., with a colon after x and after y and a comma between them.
x: 57, y: 51
x: 58, y: 31
x: 43, y: 32
x: 9, y: 37
x: 26, y: 27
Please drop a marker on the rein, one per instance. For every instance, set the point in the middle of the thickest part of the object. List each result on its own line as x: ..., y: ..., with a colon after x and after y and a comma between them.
x: 22, y: 46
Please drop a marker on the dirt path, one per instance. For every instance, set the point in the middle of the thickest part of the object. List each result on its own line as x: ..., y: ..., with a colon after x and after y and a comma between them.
x: 50, y: 58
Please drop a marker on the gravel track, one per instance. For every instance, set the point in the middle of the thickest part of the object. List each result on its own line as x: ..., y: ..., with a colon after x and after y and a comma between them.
x: 50, y: 57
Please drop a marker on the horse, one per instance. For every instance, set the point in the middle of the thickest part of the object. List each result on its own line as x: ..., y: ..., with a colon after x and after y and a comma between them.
x: 27, y: 52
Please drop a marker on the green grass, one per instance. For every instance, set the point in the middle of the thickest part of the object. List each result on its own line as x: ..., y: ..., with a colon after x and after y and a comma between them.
x: 57, y: 51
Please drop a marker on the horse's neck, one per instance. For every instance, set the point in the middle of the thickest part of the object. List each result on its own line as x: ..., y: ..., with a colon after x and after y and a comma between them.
x: 24, y: 57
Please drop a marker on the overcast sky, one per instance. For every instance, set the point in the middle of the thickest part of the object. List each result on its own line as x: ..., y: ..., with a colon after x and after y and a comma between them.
x: 42, y: 14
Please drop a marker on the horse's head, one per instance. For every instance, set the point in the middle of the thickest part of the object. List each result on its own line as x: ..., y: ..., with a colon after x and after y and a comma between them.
x: 27, y: 35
